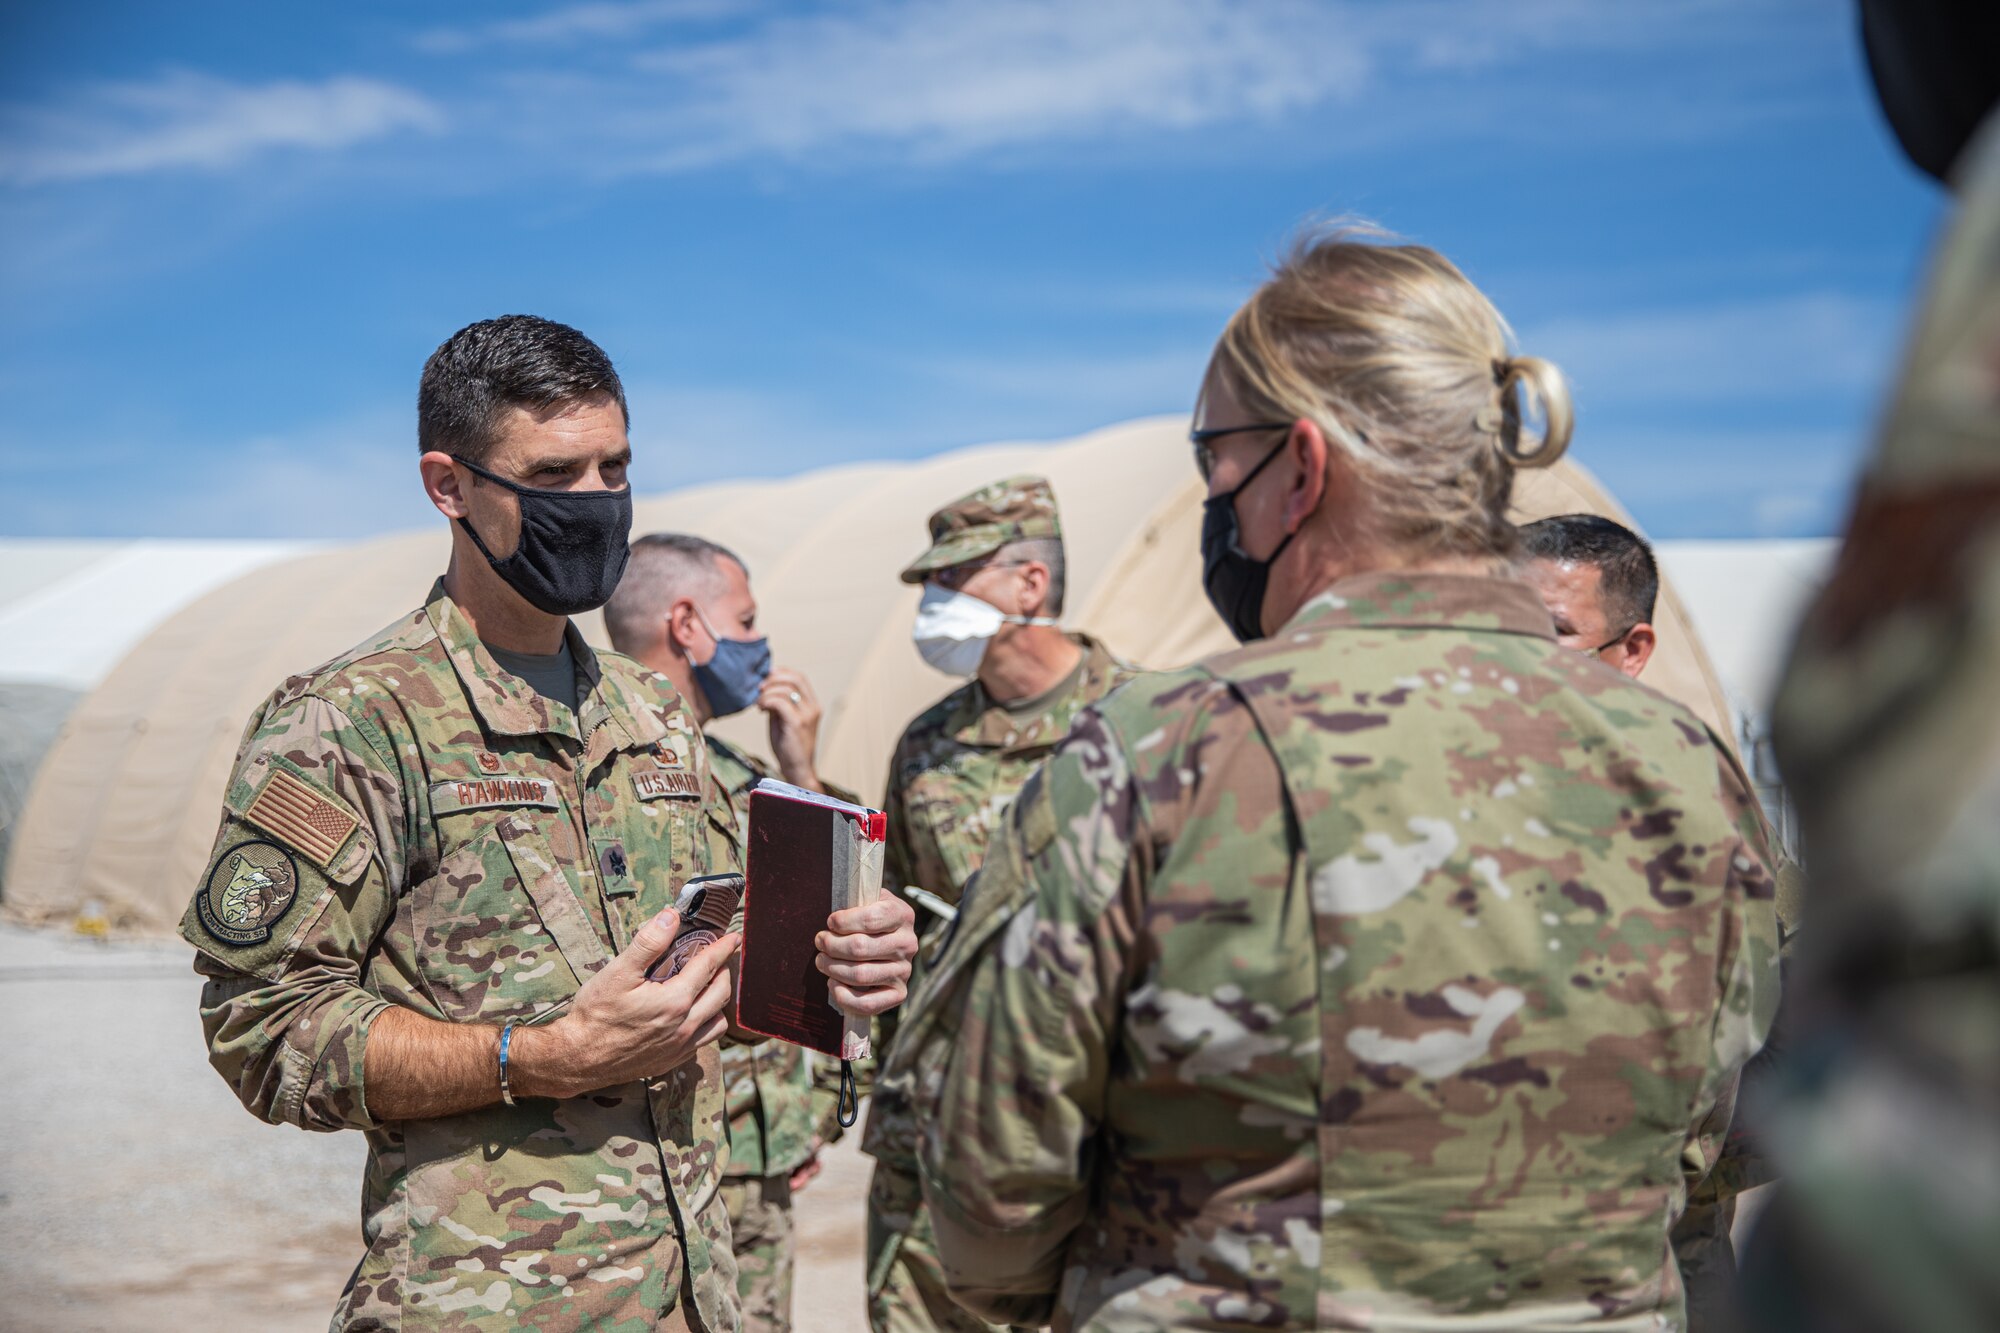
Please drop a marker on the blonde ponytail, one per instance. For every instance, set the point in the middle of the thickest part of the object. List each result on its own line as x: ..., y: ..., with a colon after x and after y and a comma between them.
x: 1407, y: 369
x: 1546, y: 388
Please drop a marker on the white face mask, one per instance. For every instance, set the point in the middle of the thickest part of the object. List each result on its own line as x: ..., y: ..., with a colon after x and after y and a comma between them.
x: 953, y: 629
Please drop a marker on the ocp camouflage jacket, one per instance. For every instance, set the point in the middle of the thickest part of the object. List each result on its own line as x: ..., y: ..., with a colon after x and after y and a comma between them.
x: 410, y: 825
x: 1377, y: 975
x: 959, y: 765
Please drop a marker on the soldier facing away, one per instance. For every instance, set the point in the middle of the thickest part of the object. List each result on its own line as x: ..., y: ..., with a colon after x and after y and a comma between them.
x: 1599, y: 581
x: 1381, y: 973
x: 994, y: 577
x: 685, y: 609
x: 473, y: 828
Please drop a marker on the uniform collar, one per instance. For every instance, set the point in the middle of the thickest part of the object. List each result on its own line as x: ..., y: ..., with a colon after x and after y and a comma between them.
x: 509, y: 706
x: 1402, y: 599
x: 733, y: 769
x: 978, y: 720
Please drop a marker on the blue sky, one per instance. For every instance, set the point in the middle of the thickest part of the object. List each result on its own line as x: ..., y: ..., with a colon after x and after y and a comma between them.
x: 231, y: 232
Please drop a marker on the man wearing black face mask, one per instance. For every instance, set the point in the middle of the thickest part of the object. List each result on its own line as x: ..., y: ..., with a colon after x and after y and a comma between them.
x: 685, y: 609
x: 447, y: 860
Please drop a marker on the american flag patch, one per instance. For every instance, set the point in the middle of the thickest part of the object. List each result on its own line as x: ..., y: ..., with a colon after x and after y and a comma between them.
x: 293, y: 811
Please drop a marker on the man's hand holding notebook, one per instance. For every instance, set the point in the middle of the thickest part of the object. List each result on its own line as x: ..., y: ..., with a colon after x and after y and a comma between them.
x: 824, y: 949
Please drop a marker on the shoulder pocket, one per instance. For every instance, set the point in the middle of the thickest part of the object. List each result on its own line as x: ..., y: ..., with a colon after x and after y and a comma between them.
x: 279, y: 798
x: 285, y: 845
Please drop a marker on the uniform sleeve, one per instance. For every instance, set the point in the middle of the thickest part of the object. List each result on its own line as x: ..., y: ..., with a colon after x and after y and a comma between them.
x: 897, y: 863
x: 1747, y: 975
x: 295, y: 894
x: 897, y: 870
x: 1026, y: 1010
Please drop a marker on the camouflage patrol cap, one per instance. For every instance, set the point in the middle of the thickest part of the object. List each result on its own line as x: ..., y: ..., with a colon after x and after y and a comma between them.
x: 979, y: 524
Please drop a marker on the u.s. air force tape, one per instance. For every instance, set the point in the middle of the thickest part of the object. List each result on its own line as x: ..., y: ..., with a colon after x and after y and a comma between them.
x: 654, y: 784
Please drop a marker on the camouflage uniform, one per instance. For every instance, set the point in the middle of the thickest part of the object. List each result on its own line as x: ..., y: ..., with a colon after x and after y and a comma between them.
x: 1704, y: 1238
x: 954, y: 772
x: 1013, y: 509
x: 1888, y: 731
x: 774, y: 1115
x: 409, y: 825
x: 1377, y: 975
x: 959, y: 765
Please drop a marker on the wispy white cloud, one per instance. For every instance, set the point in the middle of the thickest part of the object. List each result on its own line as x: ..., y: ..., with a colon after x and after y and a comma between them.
x: 341, y: 477
x: 1776, y: 482
x: 943, y: 81
x: 574, y: 23
x: 189, y: 121
x: 675, y: 85
x: 1790, y: 346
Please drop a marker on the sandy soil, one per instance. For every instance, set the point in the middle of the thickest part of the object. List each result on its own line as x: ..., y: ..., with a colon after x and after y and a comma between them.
x: 136, y: 1194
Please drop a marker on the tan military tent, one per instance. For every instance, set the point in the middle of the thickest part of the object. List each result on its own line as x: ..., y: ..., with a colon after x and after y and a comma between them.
x: 124, y: 806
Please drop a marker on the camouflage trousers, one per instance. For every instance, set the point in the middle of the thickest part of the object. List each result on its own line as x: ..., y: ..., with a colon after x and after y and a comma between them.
x: 760, y: 1225
x: 906, y: 1290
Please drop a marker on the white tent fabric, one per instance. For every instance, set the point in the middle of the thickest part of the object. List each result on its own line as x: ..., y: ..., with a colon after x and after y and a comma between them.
x: 1745, y: 597
x: 124, y: 807
x: 69, y: 610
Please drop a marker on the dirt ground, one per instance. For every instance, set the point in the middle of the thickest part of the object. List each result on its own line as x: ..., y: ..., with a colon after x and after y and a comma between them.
x: 136, y: 1194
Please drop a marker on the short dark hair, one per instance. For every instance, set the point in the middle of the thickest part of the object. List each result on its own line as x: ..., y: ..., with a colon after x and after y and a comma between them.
x: 513, y: 361
x: 1624, y: 562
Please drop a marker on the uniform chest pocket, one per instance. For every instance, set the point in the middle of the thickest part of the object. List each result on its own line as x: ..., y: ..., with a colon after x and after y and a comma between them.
x: 958, y: 820
x: 501, y: 935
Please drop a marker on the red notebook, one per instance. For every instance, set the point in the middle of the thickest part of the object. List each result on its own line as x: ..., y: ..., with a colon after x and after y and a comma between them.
x: 809, y: 855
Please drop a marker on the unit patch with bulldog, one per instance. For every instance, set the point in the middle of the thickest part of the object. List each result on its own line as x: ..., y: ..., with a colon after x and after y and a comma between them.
x: 248, y: 889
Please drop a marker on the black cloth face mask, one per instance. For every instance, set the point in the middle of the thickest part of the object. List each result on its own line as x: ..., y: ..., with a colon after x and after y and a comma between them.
x: 573, y: 547
x: 1234, y: 581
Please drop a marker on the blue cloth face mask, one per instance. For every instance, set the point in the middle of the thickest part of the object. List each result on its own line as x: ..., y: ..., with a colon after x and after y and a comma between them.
x: 734, y: 676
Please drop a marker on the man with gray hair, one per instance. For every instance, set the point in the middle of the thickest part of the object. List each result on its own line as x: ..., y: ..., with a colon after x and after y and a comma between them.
x: 993, y: 578
x: 684, y: 608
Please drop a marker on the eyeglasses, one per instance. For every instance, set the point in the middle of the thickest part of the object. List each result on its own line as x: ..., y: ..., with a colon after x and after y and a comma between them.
x: 1204, y: 457
x: 1617, y: 638
x: 952, y: 578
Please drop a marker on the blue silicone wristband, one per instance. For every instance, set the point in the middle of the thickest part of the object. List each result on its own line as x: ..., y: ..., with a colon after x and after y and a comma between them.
x: 506, y: 1040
